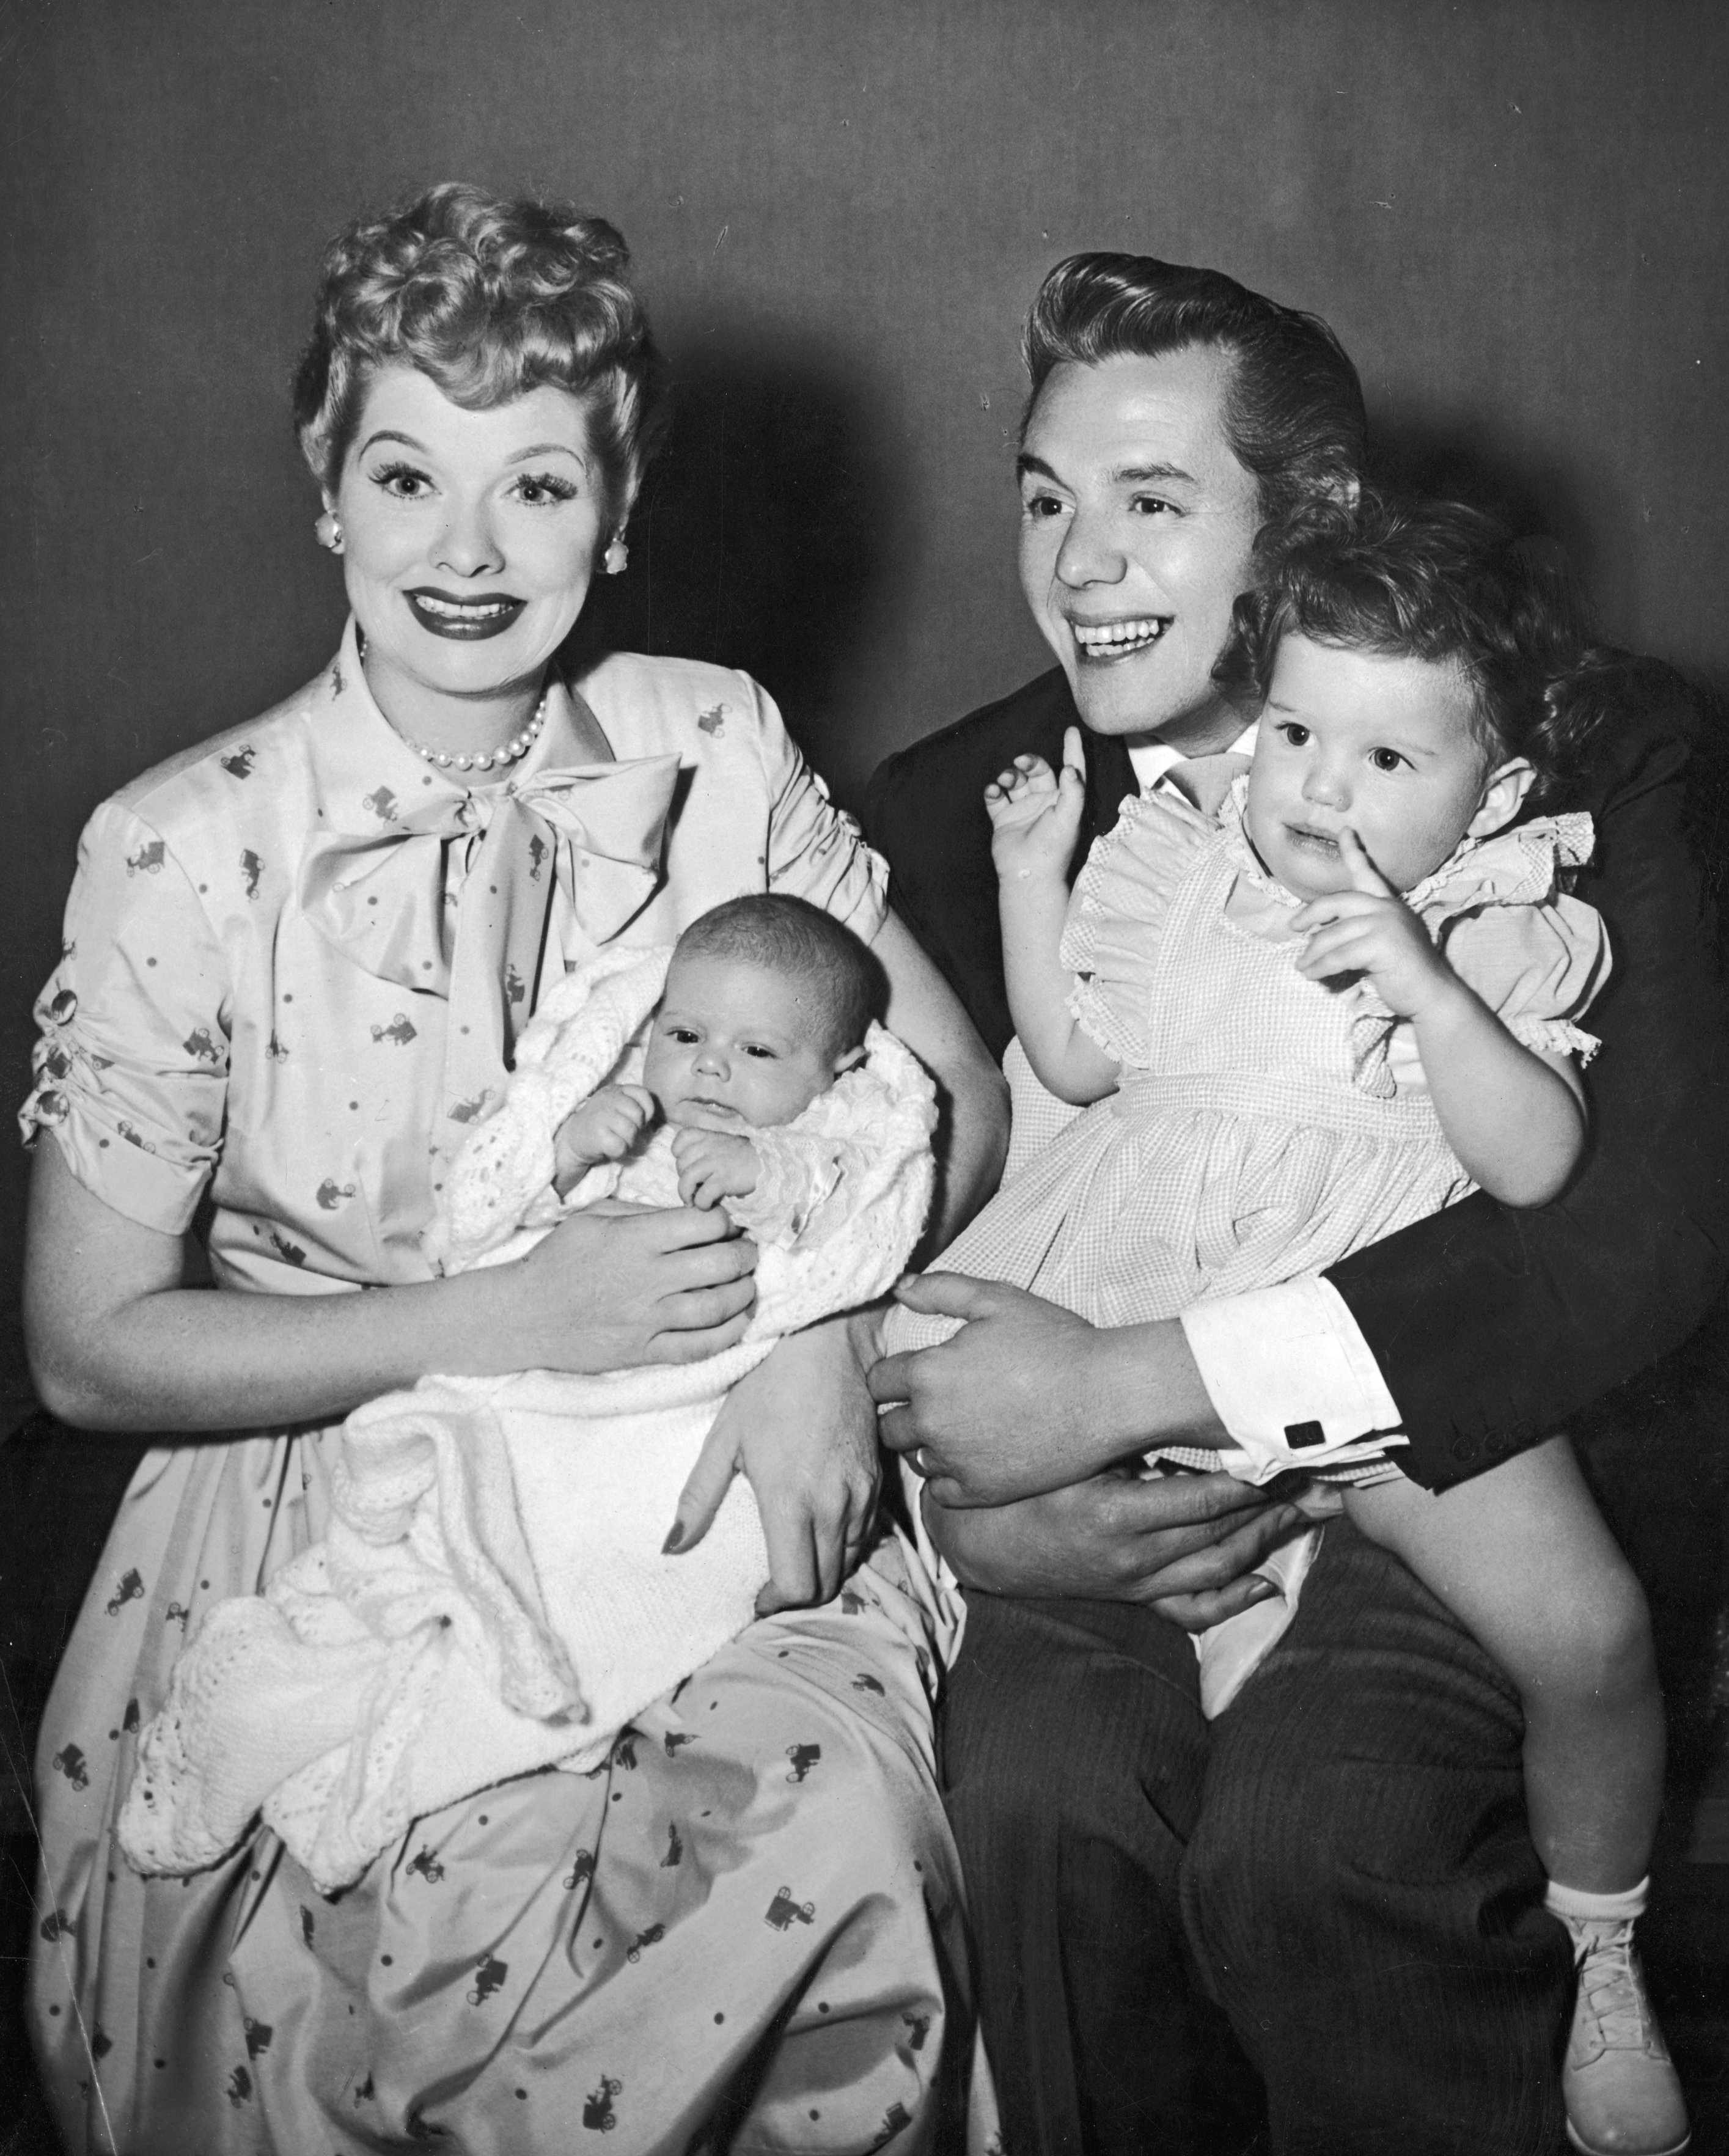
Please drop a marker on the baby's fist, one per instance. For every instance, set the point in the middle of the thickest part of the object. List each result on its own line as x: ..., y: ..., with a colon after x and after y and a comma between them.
x: 605, y: 1127
x: 713, y: 1165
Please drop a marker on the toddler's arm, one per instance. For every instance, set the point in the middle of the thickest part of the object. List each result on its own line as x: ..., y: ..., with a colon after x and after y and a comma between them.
x: 1514, y: 1117
x: 604, y: 1127
x: 1035, y: 817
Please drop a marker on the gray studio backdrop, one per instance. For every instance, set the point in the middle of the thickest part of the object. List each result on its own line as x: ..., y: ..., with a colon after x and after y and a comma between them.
x: 1512, y: 213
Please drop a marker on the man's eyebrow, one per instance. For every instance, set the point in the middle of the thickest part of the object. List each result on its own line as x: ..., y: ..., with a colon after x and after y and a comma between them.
x: 1024, y: 464
x: 1134, y: 473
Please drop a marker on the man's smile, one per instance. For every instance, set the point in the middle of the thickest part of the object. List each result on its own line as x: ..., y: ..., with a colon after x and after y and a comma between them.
x: 1100, y: 642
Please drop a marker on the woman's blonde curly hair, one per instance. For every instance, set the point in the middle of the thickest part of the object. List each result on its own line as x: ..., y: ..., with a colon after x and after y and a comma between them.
x: 489, y: 298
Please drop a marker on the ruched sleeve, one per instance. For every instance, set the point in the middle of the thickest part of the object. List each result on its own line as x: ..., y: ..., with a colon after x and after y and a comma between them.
x: 1538, y: 967
x: 1536, y: 955
x: 132, y: 1068
x: 815, y: 850
x: 1116, y: 916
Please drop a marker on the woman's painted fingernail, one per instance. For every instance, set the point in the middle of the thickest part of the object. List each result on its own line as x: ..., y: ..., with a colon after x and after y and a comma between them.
x: 674, y: 1540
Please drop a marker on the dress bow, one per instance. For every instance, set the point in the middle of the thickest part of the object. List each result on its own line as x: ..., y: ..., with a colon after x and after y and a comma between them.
x: 379, y: 895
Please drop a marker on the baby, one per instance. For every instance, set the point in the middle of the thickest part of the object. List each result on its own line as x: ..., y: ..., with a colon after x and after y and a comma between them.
x: 493, y: 1594
x: 765, y: 1004
x: 1313, y: 1021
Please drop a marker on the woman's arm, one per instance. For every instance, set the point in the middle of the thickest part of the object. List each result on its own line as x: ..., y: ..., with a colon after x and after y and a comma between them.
x: 974, y: 1137
x: 118, y: 1340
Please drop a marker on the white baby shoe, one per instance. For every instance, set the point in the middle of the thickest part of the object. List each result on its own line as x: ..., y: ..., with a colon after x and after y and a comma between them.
x: 1622, y: 2095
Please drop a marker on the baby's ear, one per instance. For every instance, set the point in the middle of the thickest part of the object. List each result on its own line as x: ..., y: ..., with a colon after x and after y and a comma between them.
x: 1504, y: 793
x: 849, y: 1060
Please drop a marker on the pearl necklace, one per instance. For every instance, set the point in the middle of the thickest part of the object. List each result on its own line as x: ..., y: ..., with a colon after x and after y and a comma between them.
x: 512, y: 751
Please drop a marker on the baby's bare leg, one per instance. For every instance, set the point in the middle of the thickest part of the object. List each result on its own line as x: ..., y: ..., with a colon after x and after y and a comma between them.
x: 1521, y: 1557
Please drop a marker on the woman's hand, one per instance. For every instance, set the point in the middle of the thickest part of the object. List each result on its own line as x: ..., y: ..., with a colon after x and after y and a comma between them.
x: 802, y: 1427
x: 603, y: 1294
x: 1184, y: 1545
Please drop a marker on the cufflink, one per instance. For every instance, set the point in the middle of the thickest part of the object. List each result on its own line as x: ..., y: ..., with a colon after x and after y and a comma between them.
x: 1304, y: 1436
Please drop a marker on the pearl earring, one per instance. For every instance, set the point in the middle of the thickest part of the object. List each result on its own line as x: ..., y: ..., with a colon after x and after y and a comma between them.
x: 618, y: 558
x: 329, y: 529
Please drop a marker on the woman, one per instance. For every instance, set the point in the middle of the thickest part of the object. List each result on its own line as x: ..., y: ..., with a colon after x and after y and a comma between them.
x: 296, y: 957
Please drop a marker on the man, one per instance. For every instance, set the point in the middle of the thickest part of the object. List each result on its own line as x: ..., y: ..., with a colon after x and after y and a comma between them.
x: 1342, y: 1859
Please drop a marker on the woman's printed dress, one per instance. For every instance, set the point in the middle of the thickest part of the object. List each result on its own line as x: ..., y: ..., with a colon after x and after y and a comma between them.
x: 1264, y: 1125
x: 743, y: 1926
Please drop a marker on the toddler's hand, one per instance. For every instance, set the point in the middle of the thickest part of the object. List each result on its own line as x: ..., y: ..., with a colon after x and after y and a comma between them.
x: 1035, y: 813
x: 605, y: 1127
x: 714, y: 1165
x: 1369, y: 929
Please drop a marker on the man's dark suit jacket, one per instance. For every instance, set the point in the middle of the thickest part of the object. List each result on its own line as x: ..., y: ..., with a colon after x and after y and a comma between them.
x: 1492, y: 1326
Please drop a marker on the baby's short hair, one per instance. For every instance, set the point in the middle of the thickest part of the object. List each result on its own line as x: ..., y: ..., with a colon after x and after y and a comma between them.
x: 788, y: 935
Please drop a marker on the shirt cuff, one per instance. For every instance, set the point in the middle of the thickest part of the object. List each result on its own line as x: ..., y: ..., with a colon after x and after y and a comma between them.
x: 1291, y: 1379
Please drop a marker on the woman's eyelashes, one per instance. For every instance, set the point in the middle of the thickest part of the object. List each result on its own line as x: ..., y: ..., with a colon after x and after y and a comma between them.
x: 402, y: 480
x: 533, y: 490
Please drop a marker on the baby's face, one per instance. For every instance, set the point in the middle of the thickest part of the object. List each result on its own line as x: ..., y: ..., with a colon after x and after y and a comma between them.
x: 735, y: 1047
x: 1383, y: 745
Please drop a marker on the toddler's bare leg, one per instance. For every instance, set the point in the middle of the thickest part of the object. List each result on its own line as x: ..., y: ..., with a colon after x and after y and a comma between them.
x: 1521, y: 1556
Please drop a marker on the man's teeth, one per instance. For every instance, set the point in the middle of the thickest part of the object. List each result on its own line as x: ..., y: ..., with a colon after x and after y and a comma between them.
x: 1098, y: 638
x: 464, y: 609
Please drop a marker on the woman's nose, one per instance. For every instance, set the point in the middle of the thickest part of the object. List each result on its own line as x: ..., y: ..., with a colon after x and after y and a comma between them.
x: 1089, y: 555
x: 468, y: 545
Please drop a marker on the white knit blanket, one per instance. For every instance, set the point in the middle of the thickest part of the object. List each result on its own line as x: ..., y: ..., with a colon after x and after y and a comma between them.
x: 491, y: 1596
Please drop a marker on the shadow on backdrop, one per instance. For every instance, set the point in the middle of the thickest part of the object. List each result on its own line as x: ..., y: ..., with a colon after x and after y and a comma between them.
x: 768, y: 536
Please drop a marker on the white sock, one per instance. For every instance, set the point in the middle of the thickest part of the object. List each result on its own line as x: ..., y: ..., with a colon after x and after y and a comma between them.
x: 1574, y: 1906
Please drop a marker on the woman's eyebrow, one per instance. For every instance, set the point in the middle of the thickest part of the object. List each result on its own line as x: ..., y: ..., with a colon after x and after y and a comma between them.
x: 390, y: 434
x: 548, y: 449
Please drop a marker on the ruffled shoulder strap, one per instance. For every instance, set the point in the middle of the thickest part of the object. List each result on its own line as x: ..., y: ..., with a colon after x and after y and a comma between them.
x: 1117, y: 912
x: 1536, y: 955
x: 1523, y: 866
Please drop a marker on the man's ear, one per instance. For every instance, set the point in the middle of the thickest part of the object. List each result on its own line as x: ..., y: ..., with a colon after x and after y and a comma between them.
x: 1504, y: 793
x: 850, y: 1060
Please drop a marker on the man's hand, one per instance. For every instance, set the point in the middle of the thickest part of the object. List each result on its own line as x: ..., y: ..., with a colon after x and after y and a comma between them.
x: 1369, y: 929
x: 1025, y: 1397
x: 1035, y: 813
x: 714, y: 1165
x: 1185, y: 1545
x: 802, y: 1427
x: 605, y: 1127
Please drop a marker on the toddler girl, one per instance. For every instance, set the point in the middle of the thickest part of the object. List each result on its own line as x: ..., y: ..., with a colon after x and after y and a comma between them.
x: 1314, y: 1021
